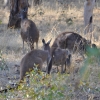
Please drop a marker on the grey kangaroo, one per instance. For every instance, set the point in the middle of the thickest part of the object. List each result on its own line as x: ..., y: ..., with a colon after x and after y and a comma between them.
x: 37, y: 57
x: 60, y: 57
x: 29, y: 31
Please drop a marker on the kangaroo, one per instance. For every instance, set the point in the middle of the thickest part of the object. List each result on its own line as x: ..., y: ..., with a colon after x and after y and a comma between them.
x: 29, y: 31
x: 59, y: 57
x: 72, y: 41
x: 35, y: 57
x: 28, y: 62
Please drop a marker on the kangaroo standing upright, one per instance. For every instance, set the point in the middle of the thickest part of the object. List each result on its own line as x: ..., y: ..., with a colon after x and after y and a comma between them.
x: 35, y: 57
x: 60, y: 57
x: 29, y: 31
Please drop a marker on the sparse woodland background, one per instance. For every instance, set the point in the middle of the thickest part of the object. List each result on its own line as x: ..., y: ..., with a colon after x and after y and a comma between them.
x: 51, y: 17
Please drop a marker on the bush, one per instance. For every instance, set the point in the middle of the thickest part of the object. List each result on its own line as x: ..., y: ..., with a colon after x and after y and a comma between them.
x: 3, y: 65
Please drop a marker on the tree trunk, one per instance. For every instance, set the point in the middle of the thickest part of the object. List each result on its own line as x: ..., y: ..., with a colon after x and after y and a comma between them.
x: 15, y: 7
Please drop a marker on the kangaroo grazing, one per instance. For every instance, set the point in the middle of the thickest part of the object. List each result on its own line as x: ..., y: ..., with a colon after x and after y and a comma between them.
x: 72, y: 41
x: 29, y: 31
x: 59, y: 57
x: 35, y: 57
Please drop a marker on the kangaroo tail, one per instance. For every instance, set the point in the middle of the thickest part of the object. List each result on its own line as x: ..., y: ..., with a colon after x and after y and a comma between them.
x: 49, y: 67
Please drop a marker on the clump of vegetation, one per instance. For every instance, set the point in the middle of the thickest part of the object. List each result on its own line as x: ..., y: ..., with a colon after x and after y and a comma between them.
x: 69, y: 21
x: 92, y: 60
x: 3, y: 65
x: 41, y: 87
x: 0, y: 22
x: 40, y: 11
x: 62, y: 16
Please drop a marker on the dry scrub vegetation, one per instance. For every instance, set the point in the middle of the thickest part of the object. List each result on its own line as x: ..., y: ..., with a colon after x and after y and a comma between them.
x: 51, y: 17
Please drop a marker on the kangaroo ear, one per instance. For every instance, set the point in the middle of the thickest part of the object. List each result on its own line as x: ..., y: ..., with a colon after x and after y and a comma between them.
x: 49, y: 41
x: 43, y: 41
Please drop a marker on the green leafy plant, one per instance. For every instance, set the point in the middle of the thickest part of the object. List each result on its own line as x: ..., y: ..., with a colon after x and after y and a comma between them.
x: 2, y: 62
x: 92, y: 57
x: 42, y: 87
x: 69, y: 21
x: 0, y: 22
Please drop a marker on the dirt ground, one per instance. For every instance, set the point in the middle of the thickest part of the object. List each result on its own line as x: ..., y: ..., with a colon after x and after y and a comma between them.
x: 51, y: 19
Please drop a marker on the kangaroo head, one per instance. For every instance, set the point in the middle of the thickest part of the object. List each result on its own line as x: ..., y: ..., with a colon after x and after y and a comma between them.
x: 22, y: 14
x: 46, y: 46
x: 43, y: 41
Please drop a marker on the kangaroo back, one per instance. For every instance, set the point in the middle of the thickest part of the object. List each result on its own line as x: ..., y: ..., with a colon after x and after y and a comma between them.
x: 29, y: 33
x: 34, y: 57
x: 70, y: 40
